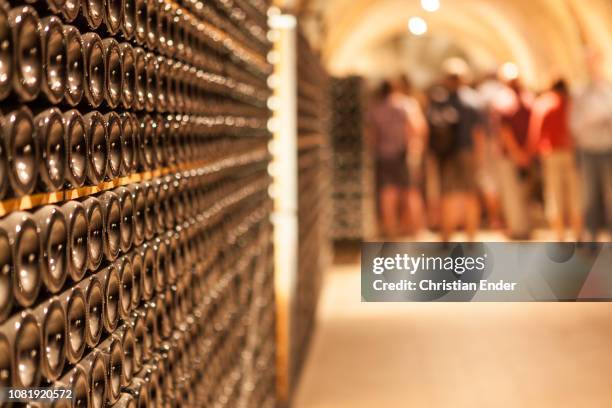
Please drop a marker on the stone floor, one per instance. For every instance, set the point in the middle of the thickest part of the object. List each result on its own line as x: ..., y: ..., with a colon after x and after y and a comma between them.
x: 455, y: 355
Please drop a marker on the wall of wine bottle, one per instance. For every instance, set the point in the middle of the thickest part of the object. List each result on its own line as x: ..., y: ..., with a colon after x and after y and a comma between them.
x: 353, y: 174
x: 135, y: 244
x: 314, y: 192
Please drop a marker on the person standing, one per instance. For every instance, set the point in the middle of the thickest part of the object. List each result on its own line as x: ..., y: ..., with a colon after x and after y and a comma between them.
x: 550, y: 137
x: 456, y: 141
x: 515, y: 112
x: 388, y: 132
x: 417, y: 141
x: 488, y: 89
x: 591, y: 124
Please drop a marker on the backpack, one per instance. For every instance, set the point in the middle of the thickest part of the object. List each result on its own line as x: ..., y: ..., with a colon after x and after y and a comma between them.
x: 444, y: 128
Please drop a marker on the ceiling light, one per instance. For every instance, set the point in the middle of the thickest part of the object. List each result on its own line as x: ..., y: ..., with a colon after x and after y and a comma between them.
x: 509, y: 71
x: 417, y: 26
x: 430, y: 5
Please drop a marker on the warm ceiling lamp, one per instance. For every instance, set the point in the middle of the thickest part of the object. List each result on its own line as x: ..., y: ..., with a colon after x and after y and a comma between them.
x: 509, y: 71
x: 417, y: 26
x: 430, y: 5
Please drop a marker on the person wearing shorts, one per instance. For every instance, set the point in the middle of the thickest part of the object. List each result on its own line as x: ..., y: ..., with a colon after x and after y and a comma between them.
x: 456, y: 141
x: 388, y: 132
x: 550, y: 137
x: 416, y: 152
x: 591, y: 123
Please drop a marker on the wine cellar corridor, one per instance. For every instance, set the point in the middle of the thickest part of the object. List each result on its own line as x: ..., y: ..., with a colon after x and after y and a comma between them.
x: 182, y: 180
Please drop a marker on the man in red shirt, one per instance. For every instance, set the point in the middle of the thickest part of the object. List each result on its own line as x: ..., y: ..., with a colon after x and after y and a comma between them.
x: 550, y: 138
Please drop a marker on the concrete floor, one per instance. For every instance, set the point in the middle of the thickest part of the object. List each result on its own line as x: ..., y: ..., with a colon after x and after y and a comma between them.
x: 455, y: 355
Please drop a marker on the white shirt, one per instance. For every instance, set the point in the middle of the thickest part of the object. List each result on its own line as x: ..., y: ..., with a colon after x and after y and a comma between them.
x: 591, y: 118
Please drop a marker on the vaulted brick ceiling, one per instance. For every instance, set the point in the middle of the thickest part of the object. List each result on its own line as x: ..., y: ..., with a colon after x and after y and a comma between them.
x: 545, y: 38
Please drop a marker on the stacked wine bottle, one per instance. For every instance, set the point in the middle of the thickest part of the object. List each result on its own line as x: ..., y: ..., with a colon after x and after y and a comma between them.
x: 314, y: 190
x: 353, y: 173
x: 135, y: 241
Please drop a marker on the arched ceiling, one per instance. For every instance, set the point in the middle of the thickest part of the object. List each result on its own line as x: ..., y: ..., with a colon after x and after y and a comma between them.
x: 545, y: 38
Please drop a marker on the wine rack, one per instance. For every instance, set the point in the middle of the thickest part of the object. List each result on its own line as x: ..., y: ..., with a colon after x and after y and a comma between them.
x: 136, y: 263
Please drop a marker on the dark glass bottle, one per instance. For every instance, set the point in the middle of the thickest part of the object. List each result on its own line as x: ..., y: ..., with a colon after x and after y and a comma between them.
x: 4, y: 181
x: 138, y: 276
x: 52, y: 321
x: 95, y: 69
x: 165, y: 26
x: 177, y: 86
x: 70, y: 9
x: 179, y: 33
x: 95, y: 232
x: 140, y: 85
x: 126, y: 277
x: 24, y: 242
x: 54, y: 59
x: 53, y: 233
x: 6, y: 358
x: 190, y: 78
x: 6, y: 54
x: 162, y: 260
x: 94, y: 298
x: 174, y: 261
x: 27, y: 52
x: 112, y: 350
x: 150, y: 330
x: 151, y: 69
x: 137, y: 321
x: 150, y: 375
x: 97, y: 147
x: 51, y: 133
x: 161, y: 141
x: 140, y: 32
x: 77, y: 251
x: 176, y: 154
x: 161, y: 191
x: 76, y: 380
x: 129, y: 132
x: 127, y: 218
x: 152, y: 25
x: 146, y: 153
x: 176, y: 198
x: 94, y: 365
x: 170, y: 85
x: 128, y: 23
x: 113, y: 15
x: 76, y: 314
x: 109, y: 277
x: 114, y: 130
x: 20, y: 343
x: 162, y: 84
x: 162, y: 316
x: 149, y: 266
x: 6, y: 272
x: 150, y: 216
x: 113, y: 91
x: 139, y: 210
x: 75, y: 66
x: 93, y: 10
x: 22, y: 151
x: 169, y: 192
x: 125, y: 334
x: 129, y: 73
x: 76, y: 148
x: 112, y: 224
x: 153, y: 338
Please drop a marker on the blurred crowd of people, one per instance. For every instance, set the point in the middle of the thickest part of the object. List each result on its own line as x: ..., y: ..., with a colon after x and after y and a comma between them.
x: 490, y: 154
